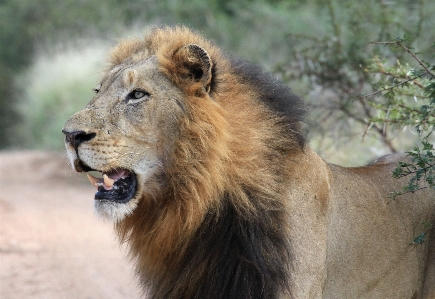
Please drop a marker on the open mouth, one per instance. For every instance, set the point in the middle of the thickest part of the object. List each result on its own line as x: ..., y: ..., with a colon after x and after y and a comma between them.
x: 117, y: 185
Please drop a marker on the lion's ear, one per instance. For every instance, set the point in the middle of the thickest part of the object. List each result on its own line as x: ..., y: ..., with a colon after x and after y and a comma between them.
x: 197, y: 64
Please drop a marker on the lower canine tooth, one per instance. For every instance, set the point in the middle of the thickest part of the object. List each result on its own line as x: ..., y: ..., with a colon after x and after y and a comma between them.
x: 108, y: 181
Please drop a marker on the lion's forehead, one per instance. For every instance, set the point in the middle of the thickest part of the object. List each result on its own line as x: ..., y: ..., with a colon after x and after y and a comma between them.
x: 143, y: 74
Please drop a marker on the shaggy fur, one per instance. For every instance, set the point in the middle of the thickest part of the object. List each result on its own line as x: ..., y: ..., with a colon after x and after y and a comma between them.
x: 216, y: 226
x: 231, y: 202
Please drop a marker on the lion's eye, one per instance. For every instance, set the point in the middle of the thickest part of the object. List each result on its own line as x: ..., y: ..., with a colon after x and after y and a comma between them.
x: 137, y: 95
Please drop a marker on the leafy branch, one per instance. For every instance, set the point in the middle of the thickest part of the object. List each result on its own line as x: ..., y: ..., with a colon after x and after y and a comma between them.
x: 407, y: 105
x: 421, y: 167
x: 419, y: 240
x: 399, y: 43
x: 393, y: 86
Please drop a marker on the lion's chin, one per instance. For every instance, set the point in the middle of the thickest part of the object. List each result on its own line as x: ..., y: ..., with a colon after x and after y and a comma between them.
x: 114, y: 211
x: 117, y: 189
x: 116, y: 192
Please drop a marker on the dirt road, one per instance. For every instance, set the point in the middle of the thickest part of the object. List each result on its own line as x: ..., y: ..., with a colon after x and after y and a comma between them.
x: 51, y: 243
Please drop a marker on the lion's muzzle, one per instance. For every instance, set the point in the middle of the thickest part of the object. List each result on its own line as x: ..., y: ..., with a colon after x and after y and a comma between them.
x: 117, y: 185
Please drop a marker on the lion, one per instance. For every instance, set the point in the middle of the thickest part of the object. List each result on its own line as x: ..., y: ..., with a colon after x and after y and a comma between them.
x: 208, y: 177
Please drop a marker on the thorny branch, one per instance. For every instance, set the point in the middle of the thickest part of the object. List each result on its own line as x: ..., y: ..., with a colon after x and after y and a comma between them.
x: 393, y: 86
x: 407, y: 50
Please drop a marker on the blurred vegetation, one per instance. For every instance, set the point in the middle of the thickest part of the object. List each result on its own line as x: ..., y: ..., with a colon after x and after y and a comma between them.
x: 51, y: 52
x: 334, y: 65
x: 30, y: 25
x: 42, y: 28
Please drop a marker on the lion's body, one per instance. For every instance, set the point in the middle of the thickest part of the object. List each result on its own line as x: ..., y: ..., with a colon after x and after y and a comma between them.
x: 369, y: 248
x: 229, y: 201
x: 358, y: 246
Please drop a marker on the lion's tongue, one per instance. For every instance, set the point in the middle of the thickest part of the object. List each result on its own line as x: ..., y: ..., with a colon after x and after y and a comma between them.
x: 107, y: 180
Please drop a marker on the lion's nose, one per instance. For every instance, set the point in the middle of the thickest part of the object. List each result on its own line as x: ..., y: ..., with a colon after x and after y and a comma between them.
x: 77, y: 137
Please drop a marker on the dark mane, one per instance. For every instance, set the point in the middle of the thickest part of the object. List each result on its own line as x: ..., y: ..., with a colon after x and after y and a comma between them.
x: 228, y: 256
x: 274, y: 94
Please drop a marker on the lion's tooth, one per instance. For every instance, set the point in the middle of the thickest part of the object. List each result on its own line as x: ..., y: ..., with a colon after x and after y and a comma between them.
x: 108, y: 181
x: 92, y: 179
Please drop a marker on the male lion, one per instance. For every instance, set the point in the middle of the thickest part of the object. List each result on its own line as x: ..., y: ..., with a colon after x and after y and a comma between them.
x: 207, y: 176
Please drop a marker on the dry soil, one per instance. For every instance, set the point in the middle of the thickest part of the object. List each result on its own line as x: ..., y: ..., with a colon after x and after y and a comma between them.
x: 52, y: 246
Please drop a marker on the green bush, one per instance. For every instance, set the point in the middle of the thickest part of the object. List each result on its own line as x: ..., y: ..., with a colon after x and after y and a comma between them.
x: 332, y: 66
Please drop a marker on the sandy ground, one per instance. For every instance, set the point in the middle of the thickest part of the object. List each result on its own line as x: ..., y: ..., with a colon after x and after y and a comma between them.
x: 51, y: 243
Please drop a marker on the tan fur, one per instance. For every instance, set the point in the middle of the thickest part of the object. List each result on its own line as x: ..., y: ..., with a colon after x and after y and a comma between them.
x: 195, y: 140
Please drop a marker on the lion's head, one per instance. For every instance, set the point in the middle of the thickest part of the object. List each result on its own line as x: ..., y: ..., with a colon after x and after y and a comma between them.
x: 157, y: 114
x: 126, y: 132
